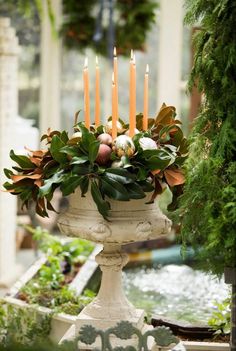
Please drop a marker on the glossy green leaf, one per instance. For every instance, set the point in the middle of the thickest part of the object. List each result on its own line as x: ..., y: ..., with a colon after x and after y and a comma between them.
x: 57, y: 178
x: 79, y: 160
x: 70, y: 150
x: 55, y: 149
x: 70, y: 184
x: 93, y: 150
x: 142, y: 173
x: 102, y: 205
x: 8, y: 173
x: 135, y: 191
x: 120, y: 175
x: 82, y: 169
x: 64, y: 137
x: 22, y: 160
x: 87, y: 137
x: 146, y: 186
x: 84, y: 184
x: 114, y: 189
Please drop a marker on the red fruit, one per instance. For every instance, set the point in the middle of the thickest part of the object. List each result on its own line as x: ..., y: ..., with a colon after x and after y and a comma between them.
x: 104, y: 153
x: 105, y: 138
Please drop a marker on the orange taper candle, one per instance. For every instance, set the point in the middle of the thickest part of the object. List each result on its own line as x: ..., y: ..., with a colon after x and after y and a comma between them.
x: 145, y: 100
x: 132, y: 96
x: 86, y: 94
x: 114, y: 109
x: 97, y: 95
x: 115, y: 68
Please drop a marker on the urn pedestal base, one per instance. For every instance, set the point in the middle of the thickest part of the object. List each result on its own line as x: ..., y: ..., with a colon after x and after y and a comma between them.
x: 111, y: 305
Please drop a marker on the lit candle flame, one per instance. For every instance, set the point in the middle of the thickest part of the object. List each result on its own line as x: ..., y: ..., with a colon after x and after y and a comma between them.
x: 114, y: 52
x: 86, y: 62
x: 147, y: 69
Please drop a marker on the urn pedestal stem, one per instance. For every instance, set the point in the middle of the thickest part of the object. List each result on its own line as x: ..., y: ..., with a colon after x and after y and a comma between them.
x: 111, y: 305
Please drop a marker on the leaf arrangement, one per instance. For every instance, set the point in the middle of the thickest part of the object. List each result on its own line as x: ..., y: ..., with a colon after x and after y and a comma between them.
x: 123, y: 169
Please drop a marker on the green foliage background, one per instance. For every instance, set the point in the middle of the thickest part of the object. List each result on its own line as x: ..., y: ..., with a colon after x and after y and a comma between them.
x: 208, y: 205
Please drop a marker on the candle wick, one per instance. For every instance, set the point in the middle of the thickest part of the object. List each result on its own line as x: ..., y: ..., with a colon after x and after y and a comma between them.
x: 132, y: 54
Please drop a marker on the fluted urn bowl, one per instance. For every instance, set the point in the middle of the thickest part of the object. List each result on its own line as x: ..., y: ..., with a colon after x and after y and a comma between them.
x: 128, y: 222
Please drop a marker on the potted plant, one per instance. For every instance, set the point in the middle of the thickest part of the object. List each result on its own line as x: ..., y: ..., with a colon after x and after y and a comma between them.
x: 109, y: 181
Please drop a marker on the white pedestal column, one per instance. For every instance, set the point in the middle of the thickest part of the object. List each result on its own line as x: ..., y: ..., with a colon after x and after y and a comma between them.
x: 170, y: 53
x: 50, y: 56
x: 8, y: 112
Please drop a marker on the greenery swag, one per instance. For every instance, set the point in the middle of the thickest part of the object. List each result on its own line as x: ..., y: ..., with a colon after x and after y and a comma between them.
x: 209, y: 199
x: 132, y: 21
x: 123, y: 169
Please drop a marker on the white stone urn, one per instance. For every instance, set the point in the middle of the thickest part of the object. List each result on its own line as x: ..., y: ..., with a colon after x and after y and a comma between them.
x: 128, y: 222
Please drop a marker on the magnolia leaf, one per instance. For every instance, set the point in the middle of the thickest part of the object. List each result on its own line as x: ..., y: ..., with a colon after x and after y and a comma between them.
x: 87, y: 137
x: 142, y: 174
x: 16, y: 177
x: 93, y: 150
x: 120, y: 175
x: 114, y: 189
x: 22, y: 160
x: 79, y: 160
x: 174, y: 177
x: 55, y: 149
x: 50, y: 207
x: 64, y: 137
x: 47, y: 187
x: 25, y: 195
x: 8, y: 173
x: 146, y: 186
x: 41, y: 208
x: 38, y: 182
x: 84, y: 184
x: 151, y: 122
x: 36, y: 161
x: 70, y: 184
x: 139, y: 121
x: 156, y: 171
x: 82, y: 169
x: 36, y: 153
x: 168, y: 131
x: 158, y: 190
x: 70, y: 150
x: 102, y: 205
x: 157, y: 159
x: 135, y: 191
x: 165, y: 115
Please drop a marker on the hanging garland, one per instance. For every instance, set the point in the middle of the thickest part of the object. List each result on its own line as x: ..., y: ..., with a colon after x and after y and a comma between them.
x: 84, y: 25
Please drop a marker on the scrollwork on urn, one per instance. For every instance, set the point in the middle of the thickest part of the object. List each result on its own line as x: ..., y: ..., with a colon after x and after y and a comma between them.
x: 100, y: 231
x: 144, y: 230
